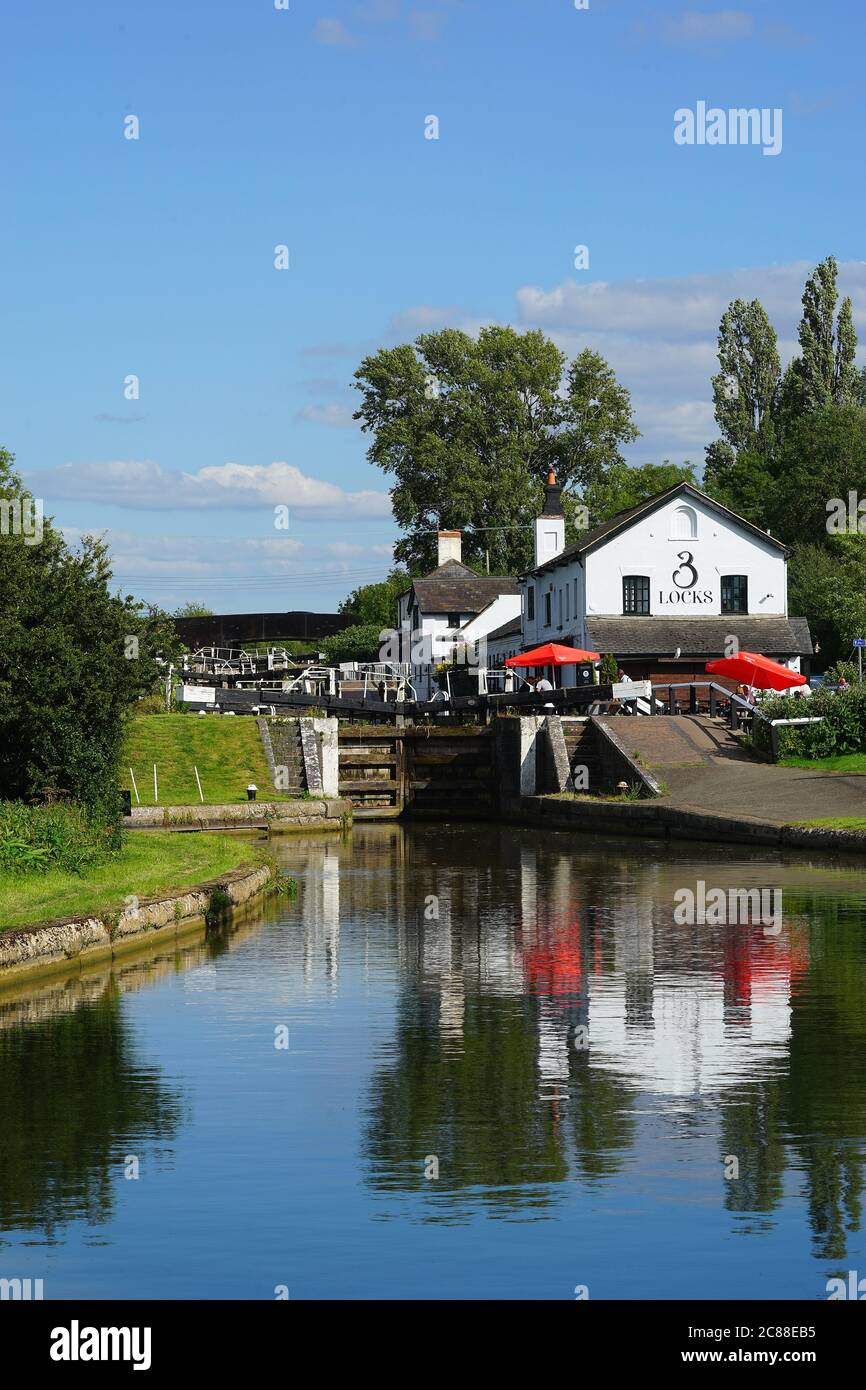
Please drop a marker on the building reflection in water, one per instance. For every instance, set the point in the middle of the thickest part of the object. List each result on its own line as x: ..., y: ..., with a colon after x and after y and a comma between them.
x: 551, y: 997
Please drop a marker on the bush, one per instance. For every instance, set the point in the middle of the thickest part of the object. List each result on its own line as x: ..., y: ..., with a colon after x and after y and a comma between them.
x: 608, y: 669
x: 842, y: 728
x: 34, y: 839
x: 359, y: 643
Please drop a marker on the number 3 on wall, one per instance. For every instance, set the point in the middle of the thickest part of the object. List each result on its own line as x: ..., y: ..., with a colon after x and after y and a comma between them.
x: 686, y: 557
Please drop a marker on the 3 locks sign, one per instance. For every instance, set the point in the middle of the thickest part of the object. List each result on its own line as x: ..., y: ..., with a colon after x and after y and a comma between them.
x: 685, y: 582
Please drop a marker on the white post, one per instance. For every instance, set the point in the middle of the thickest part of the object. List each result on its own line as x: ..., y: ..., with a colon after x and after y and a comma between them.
x: 155, y: 787
x: 135, y: 788
x: 198, y: 779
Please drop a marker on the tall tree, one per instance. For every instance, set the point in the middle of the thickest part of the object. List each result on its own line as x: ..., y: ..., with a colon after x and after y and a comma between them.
x: 470, y: 427
x: 746, y: 399
x: 824, y: 373
x: 746, y: 386
x: 622, y: 487
x: 377, y: 603
x: 73, y: 657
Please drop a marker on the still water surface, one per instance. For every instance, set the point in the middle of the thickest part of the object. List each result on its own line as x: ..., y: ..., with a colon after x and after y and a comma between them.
x: 580, y: 1068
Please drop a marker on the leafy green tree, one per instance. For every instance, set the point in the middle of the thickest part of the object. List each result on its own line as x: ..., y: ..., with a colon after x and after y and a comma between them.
x: 828, y: 583
x: 823, y: 457
x: 469, y: 428
x: 622, y: 487
x: 73, y: 659
x: 746, y: 386
x: 193, y: 609
x: 824, y: 373
x: 357, y: 643
x: 377, y: 603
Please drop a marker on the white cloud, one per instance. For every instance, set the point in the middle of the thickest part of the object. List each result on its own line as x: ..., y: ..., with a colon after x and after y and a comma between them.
x: 682, y: 307
x: 145, y: 484
x: 335, y: 413
x: 426, y: 25
x: 379, y: 11
x: 722, y: 26
x: 249, y: 574
x: 660, y: 337
x: 334, y: 33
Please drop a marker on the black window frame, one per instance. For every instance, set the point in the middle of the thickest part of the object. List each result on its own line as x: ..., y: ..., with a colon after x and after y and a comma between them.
x: 735, y: 586
x: 548, y: 609
x: 530, y: 604
x: 640, y: 599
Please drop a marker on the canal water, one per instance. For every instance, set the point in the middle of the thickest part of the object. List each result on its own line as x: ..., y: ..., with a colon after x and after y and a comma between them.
x: 464, y: 1061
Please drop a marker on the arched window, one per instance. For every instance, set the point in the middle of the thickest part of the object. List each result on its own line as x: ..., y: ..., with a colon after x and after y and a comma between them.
x: 684, y: 524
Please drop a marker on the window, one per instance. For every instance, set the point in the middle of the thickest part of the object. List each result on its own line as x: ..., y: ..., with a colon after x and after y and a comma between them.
x: 453, y: 619
x: 735, y: 593
x: 530, y: 603
x: 684, y: 524
x: 547, y: 610
x: 635, y: 594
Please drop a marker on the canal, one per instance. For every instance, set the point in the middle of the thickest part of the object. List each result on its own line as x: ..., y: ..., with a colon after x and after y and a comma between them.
x: 469, y: 1061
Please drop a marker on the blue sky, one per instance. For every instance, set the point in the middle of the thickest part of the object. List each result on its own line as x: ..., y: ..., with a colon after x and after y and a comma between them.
x: 305, y: 127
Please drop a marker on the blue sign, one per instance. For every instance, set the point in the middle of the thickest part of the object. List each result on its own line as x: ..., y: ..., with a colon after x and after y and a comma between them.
x: 860, y: 641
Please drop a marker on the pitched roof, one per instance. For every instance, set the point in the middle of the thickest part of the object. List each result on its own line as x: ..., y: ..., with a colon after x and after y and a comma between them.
x: 510, y: 629
x: 660, y: 637
x: 454, y: 588
x: 599, y: 534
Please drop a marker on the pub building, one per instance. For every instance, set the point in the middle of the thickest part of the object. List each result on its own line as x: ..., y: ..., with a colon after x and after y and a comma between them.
x: 665, y: 586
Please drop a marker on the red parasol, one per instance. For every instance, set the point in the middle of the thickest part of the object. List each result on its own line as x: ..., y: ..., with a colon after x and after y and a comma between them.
x: 750, y: 668
x: 552, y: 654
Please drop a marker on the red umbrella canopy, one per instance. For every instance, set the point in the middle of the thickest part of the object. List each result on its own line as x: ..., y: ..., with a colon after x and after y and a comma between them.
x: 552, y: 654
x: 750, y: 668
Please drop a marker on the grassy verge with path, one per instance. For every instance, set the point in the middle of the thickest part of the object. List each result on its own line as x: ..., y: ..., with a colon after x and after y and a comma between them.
x: 842, y: 762
x: 227, y: 752
x: 150, y: 863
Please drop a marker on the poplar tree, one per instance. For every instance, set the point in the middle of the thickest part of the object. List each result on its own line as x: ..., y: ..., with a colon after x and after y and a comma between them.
x: 824, y: 373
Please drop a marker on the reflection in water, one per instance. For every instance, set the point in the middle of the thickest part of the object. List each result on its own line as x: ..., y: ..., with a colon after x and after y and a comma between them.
x: 76, y: 1096
x: 522, y: 1007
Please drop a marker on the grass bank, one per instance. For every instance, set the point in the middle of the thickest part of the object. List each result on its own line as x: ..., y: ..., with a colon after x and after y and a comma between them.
x: 227, y: 752
x: 149, y: 864
x: 834, y: 823
x: 842, y: 762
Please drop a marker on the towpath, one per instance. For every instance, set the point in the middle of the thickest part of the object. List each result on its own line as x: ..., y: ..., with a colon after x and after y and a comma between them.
x: 706, y: 769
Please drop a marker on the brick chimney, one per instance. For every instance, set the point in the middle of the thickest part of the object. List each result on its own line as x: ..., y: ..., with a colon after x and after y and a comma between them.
x: 449, y: 546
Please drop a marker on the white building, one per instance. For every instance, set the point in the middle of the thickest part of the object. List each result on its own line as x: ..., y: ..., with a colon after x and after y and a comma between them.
x: 449, y: 608
x: 664, y: 586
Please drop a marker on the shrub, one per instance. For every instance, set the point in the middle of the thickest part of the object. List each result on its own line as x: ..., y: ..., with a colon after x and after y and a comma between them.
x: 608, y: 669
x: 35, y: 839
x: 842, y: 728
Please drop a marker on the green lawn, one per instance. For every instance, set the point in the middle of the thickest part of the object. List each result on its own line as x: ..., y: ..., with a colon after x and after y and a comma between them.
x: 227, y: 752
x: 150, y: 863
x: 835, y: 823
x: 844, y: 762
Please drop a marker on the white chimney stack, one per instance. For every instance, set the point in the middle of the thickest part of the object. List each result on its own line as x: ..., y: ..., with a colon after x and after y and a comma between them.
x: 550, y: 526
x: 449, y: 546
